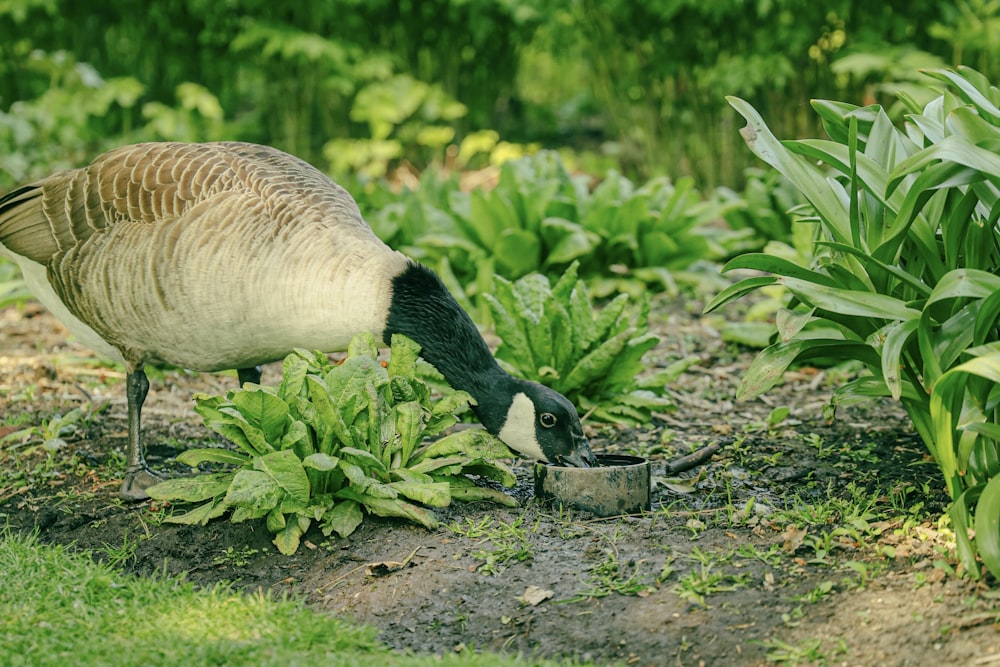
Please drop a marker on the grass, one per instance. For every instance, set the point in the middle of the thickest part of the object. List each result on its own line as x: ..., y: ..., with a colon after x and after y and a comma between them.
x: 63, y: 608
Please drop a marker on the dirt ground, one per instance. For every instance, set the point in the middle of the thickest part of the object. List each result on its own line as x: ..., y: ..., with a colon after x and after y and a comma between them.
x: 803, y: 542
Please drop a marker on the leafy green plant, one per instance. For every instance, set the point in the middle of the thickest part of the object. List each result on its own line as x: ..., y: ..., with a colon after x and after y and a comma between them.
x: 554, y: 335
x: 904, y: 278
x: 333, y: 440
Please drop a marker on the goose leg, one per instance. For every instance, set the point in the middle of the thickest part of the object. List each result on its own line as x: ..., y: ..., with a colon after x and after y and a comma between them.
x: 249, y: 375
x: 138, y: 476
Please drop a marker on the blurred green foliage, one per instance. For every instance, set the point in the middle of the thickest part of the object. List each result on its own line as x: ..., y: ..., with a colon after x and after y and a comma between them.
x: 370, y: 85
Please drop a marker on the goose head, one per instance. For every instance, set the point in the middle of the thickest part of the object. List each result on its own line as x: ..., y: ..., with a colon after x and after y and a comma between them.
x: 541, y: 424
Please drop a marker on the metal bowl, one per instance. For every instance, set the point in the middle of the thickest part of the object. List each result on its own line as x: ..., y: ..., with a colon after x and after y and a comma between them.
x: 616, y: 485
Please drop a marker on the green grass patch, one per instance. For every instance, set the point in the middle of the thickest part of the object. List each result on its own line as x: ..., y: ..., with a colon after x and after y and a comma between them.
x: 59, y: 607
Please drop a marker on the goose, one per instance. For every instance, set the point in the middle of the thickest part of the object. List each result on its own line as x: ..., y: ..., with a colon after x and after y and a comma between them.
x: 229, y: 255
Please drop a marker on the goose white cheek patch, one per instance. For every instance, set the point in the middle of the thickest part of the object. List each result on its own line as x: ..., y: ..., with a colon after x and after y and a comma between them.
x: 518, y: 430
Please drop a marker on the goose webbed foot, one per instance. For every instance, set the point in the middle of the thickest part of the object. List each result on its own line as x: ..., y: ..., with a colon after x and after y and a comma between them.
x: 137, y: 480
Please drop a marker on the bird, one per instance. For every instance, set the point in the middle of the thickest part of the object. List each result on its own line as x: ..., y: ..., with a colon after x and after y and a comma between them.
x: 230, y: 255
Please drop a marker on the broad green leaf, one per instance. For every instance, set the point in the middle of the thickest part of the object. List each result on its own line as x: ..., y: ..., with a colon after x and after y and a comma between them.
x: 409, y: 428
x: 294, y: 369
x: 596, y: 364
x: 400, y: 508
x: 471, y: 442
x: 403, y: 360
x: 344, y: 518
x: 363, y: 483
x: 264, y: 411
x: 254, y: 490
x: 320, y: 461
x: 517, y: 252
x: 200, y: 515
x: 431, y: 494
x: 285, y: 469
x: 288, y: 539
x: 364, y: 459
x: 465, y: 490
x: 194, y: 457
x: 191, y: 489
x: 490, y: 470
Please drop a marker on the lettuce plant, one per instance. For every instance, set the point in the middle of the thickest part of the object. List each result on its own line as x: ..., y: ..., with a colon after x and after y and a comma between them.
x: 904, y: 278
x: 553, y: 334
x: 332, y: 441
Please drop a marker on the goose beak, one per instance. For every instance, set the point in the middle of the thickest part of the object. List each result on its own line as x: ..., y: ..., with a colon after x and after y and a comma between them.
x: 580, y: 457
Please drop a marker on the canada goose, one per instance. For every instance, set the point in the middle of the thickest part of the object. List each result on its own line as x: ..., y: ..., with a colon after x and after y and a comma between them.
x: 229, y: 255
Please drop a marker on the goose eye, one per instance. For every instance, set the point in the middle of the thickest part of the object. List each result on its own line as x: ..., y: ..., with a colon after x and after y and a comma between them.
x: 548, y: 420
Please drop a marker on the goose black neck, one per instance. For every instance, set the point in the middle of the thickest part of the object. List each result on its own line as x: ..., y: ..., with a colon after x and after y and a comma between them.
x: 423, y: 309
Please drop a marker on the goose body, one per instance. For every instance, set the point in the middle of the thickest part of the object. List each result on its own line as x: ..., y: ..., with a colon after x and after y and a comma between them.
x: 230, y: 255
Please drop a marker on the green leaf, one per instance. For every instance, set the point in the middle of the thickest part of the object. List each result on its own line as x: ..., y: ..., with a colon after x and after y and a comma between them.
x: 285, y: 469
x: 988, y: 526
x: 431, y: 494
x: 971, y: 283
x: 850, y: 302
x: 517, y: 252
x: 255, y: 491
x: 200, y: 515
x: 264, y: 411
x: 471, y: 442
x: 344, y: 518
x: 320, y: 461
x: 195, y: 457
x: 191, y: 489
x: 288, y: 539
x: 809, y: 180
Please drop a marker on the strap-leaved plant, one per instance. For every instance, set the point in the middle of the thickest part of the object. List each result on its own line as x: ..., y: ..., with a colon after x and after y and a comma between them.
x: 335, y: 439
x: 904, y: 278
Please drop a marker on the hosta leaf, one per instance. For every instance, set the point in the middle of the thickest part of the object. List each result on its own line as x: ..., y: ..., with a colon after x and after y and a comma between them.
x: 194, y: 457
x: 191, y: 489
x: 344, y: 518
x: 200, y: 515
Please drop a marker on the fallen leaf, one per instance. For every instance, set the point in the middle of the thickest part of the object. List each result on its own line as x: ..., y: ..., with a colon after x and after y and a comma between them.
x: 793, y: 537
x: 384, y: 567
x: 534, y: 595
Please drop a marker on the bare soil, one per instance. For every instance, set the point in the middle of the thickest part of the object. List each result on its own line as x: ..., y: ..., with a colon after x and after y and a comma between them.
x: 805, y: 542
